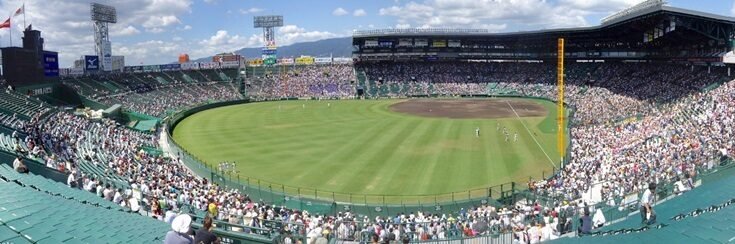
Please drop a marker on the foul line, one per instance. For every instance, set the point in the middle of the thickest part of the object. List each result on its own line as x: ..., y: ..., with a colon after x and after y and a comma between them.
x: 533, y: 137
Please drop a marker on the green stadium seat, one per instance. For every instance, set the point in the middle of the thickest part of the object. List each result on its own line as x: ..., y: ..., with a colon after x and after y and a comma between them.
x: 6, y: 233
x: 17, y: 240
x: 56, y: 215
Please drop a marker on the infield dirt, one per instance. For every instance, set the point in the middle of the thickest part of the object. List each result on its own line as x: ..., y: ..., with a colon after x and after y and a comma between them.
x: 470, y: 108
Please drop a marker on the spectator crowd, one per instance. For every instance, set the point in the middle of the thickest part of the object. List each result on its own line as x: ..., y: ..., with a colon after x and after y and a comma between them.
x: 318, y: 81
x: 633, y: 124
x: 156, y: 93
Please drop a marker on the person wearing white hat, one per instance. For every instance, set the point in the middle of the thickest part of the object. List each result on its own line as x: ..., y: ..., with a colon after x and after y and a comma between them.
x: 179, y: 233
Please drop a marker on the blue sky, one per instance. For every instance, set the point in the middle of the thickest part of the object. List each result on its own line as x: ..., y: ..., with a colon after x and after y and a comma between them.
x: 156, y: 31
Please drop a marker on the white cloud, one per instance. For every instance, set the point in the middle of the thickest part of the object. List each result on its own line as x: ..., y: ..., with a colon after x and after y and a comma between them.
x: 498, y: 15
x: 403, y: 26
x: 187, y: 27
x: 340, y: 12
x: 359, y: 13
x: 599, y: 6
x: 155, y: 30
x: 67, y: 29
x: 732, y: 10
x: 290, y: 34
x: 221, y: 37
x: 288, y: 29
x: 147, y: 52
x: 223, y: 41
x: 251, y: 10
x: 127, y: 31
x: 161, y: 21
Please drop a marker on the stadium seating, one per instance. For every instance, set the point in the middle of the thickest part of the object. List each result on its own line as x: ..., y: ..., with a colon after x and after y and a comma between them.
x: 36, y: 210
x: 307, y: 81
x: 54, y: 188
x: 11, y: 121
x: 707, y: 227
x: 26, y: 108
x: 621, y: 113
x: 142, y: 92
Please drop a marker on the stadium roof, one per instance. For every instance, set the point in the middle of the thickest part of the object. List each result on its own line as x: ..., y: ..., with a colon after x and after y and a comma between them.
x: 611, y: 22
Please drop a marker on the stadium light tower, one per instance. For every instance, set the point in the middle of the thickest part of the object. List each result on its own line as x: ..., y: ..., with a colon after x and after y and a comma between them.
x: 268, y: 23
x: 102, y: 15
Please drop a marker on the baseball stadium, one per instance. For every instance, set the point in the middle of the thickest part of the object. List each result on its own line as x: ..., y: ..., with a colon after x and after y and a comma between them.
x: 620, y: 132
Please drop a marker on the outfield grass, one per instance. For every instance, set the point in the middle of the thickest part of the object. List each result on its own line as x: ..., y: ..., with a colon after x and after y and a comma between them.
x: 362, y: 147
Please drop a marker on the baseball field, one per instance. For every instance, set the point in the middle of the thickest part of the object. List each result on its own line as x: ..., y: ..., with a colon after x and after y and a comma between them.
x: 381, y: 147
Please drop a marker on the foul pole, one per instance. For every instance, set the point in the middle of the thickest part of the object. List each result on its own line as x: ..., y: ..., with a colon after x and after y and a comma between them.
x: 561, y: 142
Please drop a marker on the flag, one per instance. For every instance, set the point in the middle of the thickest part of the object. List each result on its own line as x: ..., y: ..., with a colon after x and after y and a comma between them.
x: 20, y: 11
x: 5, y: 24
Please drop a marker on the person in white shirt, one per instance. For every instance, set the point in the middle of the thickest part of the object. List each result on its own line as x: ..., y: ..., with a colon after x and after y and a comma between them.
x: 91, y: 186
x: 107, y: 193
x: 71, y: 180
x: 100, y: 190
x: 117, y: 198
x: 134, y: 205
x: 599, y: 219
x: 534, y: 234
x: 169, y: 216
x: 18, y: 165
x: 546, y: 232
x: 648, y: 216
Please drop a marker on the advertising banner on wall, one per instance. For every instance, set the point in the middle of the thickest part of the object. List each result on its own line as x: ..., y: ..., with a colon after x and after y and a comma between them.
x: 255, y: 62
x: 230, y: 64
x: 323, y: 60
x: 208, y: 65
x: 151, y: 68
x: 285, y: 61
x: 91, y: 63
x: 342, y: 60
x: 51, y: 64
x: 170, y: 67
x: 305, y: 60
x: 106, y: 56
x: 190, y: 66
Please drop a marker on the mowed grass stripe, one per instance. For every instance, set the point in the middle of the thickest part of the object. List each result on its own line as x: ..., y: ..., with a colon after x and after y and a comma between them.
x: 361, y: 147
x: 425, y: 171
x: 374, y: 170
x: 404, y: 162
x: 338, y: 155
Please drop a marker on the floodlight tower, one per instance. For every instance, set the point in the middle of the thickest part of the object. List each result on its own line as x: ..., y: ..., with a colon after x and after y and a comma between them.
x: 268, y: 23
x: 101, y: 16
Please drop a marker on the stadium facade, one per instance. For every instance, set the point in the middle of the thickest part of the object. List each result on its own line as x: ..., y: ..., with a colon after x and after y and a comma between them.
x: 657, y: 32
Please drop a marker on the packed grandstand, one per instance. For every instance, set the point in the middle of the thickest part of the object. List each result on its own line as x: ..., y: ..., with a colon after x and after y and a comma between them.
x: 665, y: 118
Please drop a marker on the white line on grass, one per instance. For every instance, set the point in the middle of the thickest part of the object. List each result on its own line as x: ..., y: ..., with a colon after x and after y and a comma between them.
x: 529, y: 133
